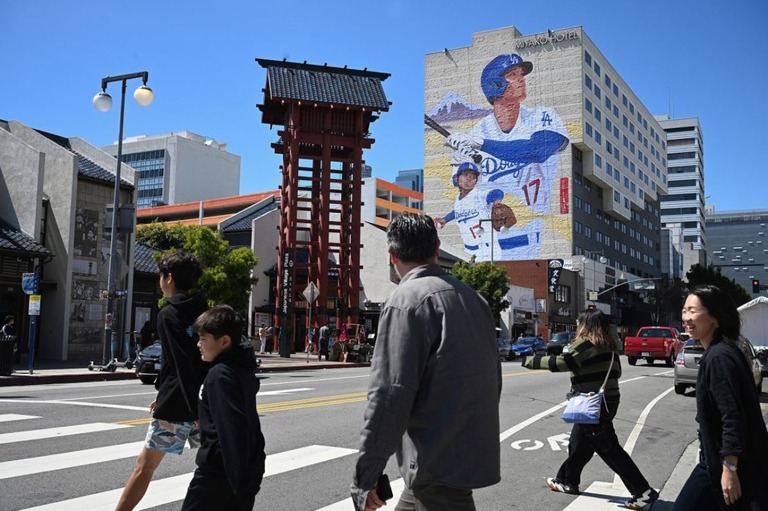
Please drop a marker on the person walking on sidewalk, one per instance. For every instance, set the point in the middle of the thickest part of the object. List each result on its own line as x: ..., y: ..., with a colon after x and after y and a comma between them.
x: 733, y: 440
x: 230, y: 462
x: 433, y: 397
x: 262, y: 339
x: 591, y: 356
x: 174, y: 410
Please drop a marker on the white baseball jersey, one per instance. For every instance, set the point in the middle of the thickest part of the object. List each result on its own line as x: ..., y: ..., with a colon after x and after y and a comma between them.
x: 523, y: 161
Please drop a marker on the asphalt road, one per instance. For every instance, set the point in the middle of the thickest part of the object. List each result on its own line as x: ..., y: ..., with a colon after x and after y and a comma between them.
x: 72, y: 446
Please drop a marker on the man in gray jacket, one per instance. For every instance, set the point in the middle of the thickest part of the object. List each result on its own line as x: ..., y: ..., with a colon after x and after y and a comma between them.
x: 433, y: 396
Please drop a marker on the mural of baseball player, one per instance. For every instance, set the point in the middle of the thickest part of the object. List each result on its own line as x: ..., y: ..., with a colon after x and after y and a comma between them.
x: 475, y: 203
x: 518, y: 149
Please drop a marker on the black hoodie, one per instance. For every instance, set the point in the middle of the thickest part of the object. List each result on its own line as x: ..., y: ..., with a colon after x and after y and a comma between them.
x: 182, y: 370
x: 232, y: 445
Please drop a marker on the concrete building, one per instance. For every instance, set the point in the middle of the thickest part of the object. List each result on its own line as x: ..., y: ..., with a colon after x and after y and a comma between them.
x: 55, y: 190
x: 178, y: 167
x: 383, y: 200
x: 738, y: 245
x: 684, y: 205
x: 582, y: 163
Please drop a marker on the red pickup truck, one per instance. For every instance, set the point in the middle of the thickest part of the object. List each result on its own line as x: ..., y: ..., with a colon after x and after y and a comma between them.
x: 654, y: 343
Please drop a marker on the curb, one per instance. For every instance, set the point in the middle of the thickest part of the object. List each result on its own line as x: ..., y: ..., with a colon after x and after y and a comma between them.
x: 39, y: 378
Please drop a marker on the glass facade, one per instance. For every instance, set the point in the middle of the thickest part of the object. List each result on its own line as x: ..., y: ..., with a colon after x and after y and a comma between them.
x: 150, y: 169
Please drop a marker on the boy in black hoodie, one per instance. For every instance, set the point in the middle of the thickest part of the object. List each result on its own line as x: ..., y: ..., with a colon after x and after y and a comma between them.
x: 230, y: 462
x: 174, y: 411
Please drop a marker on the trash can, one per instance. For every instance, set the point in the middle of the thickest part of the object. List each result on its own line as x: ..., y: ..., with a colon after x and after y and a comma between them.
x: 7, y: 342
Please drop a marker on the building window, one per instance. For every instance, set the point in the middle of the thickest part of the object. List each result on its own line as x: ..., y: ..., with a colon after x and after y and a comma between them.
x: 598, y: 161
x: 587, y: 105
x: 598, y: 115
x: 588, y: 58
x: 598, y: 137
x: 597, y: 91
x: 563, y: 294
x: 588, y: 82
x: 597, y: 69
x: 588, y: 129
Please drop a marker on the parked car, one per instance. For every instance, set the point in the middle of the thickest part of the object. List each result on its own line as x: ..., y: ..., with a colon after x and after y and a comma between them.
x: 148, y: 363
x: 687, y: 365
x: 504, y: 349
x: 558, y: 341
x: 527, y: 346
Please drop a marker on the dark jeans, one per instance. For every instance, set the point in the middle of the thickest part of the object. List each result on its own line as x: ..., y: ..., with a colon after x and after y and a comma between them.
x: 435, y: 497
x: 207, y: 492
x: 700, y: 494
x: 588, y: 439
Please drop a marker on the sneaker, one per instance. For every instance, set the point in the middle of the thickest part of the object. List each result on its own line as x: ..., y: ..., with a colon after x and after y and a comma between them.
x: 647, y: 498
x: 556, y: 485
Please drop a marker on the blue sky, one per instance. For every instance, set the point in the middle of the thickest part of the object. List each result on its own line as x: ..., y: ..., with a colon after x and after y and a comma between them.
x: 689, y: 58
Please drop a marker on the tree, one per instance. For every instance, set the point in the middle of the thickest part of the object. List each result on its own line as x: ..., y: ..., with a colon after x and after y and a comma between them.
x: 700, y: 275
x: 491, y: 281
x: 227, y: 274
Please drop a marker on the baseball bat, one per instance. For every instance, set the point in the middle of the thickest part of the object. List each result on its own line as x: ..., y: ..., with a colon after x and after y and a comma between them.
x: 444, y: 132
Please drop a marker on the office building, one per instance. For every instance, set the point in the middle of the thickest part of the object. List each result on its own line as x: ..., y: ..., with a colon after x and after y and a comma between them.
x: 413, y: 179
x: 738, y: 245
x: 684, y: 205
x: 180, y: 167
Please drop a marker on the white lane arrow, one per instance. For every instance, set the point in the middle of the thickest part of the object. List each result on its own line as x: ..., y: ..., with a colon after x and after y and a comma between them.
x: 556, y: 441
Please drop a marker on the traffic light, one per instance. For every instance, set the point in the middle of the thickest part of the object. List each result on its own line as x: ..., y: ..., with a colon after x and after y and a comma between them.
x: 755, y: 286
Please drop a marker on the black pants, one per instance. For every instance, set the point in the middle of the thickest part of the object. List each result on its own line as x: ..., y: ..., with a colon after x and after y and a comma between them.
x: 588, y: 439
x: 435, y: 497
x: 207, y: 492
x: 699, y: 493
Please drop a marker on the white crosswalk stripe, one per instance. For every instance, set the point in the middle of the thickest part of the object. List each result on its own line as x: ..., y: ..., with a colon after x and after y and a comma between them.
x: 28, y: 466
x: 39, y: 434
x: 172, y: 489
x: 10, y: 417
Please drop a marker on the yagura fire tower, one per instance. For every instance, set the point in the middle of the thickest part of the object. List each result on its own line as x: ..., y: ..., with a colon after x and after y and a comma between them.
x: 325, y: 113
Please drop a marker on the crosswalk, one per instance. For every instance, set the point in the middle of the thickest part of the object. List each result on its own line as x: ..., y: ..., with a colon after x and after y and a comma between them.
x: 161, y: 491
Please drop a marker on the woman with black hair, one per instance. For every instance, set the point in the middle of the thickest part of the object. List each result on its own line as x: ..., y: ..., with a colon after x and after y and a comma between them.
x: 732, y: 435
x: 592, y: 355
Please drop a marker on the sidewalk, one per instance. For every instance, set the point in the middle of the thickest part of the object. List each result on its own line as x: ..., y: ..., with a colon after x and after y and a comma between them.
x: 77, y: 371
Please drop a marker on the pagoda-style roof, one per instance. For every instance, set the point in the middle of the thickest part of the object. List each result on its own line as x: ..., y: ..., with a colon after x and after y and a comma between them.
x: 309, y: 84
x: 21, y: 244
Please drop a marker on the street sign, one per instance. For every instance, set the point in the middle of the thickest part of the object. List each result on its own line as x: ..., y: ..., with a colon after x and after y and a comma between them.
x: 310, y: 292
x: 592, y: 296
x: 29, y: 283
x: 34, y: 305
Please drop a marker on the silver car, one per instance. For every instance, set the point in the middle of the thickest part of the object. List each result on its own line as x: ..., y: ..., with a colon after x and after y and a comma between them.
x: 687, y: 365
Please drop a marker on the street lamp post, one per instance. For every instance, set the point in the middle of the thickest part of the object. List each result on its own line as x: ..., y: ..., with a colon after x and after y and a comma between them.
x: 103, y: 102
x: 480, y: 231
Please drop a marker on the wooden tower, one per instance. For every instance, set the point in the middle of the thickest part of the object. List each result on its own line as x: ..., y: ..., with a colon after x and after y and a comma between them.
x: 325, y: 113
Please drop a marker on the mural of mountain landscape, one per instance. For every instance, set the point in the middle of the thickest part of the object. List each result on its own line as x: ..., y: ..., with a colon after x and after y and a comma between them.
x: 453, y: 107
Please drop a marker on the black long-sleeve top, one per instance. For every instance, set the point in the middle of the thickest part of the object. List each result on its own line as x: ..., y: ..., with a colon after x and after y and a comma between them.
x: 729, y: 416
x: 182, y: 370
x: 232, y: 444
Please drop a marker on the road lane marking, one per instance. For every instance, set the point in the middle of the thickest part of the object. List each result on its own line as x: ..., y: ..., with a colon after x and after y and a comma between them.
x: 9, y: 417
x: 51, y: 462
x: 74, y: 403
x: 173, y: 489
x: 38, y: 434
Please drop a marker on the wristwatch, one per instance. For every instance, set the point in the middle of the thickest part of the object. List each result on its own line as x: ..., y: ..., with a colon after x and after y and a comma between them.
x: 730, y: 466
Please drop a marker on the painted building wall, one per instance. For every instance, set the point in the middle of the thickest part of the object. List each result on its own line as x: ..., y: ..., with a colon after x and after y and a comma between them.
x: 523, y: 159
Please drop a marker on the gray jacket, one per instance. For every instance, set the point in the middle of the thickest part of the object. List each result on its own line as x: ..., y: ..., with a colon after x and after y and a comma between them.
x: 434, y: 389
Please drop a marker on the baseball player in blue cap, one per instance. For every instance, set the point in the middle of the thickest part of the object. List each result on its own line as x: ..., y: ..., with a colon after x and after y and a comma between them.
x: 518, y: 146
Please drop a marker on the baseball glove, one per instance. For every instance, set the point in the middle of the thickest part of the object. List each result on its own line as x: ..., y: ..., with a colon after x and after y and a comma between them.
x: 502, y: 216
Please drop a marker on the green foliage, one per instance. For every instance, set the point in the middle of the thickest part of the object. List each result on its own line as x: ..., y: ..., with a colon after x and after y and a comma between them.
x: 489, y: 280
x: 162, y: 236
x: 227, y: 274
x: 700, y: 275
